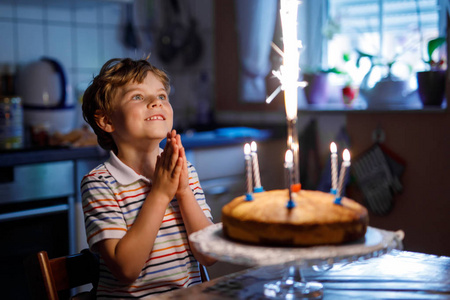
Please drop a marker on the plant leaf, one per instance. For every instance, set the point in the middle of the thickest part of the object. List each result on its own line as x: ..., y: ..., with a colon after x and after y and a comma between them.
x: 433, y: 45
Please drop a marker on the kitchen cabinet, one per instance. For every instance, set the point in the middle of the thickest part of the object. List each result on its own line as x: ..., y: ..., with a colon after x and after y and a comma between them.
x: 221, y: 175
x: 221, y: 172
x: 40, y: 209
x: 54, y: 176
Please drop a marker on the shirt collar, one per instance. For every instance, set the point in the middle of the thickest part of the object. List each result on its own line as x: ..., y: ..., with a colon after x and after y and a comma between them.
x: 121, y: 172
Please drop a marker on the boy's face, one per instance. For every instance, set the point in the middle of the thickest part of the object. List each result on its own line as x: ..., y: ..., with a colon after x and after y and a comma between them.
x: 141, y: 111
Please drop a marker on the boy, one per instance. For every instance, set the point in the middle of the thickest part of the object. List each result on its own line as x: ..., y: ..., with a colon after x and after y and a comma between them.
x: 141, y: 205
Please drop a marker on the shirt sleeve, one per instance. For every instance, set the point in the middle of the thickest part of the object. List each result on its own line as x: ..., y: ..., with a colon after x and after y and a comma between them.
x: 194, y: 183
x: 102, y: 215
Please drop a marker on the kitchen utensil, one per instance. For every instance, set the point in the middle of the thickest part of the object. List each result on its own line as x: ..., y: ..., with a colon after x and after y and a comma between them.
x: 46, y: 95
x: 130, y: 37
x: 178, y: 39
x: 173, y: 34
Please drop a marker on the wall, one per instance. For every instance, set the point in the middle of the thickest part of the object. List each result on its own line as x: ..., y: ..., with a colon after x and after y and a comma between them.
x: 422, y: 210
x: 83, y: 34
x: 419, y: 138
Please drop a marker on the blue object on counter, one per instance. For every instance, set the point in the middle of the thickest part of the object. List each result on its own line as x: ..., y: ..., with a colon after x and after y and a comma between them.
x: 240, y: 132
x: 221, y: 136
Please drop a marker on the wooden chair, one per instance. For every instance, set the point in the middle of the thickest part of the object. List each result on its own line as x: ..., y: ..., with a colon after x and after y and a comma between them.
x: 203, y: 273
x: 47, y: 277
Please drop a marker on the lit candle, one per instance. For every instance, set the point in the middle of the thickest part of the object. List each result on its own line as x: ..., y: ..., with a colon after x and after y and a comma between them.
x: 334, y: 168
x: 248, y: 165
x: 342, y: 172
x: 258, y: 188
x: 289, y: 165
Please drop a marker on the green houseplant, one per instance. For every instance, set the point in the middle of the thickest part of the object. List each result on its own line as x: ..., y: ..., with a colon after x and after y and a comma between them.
x: 431, y: 83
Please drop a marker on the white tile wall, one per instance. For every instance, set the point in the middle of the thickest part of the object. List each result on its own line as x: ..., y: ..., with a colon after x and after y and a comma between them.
x: 30, y: 12
x: 83, y: 34
x: 30, y: 42
x: 6, y: 10
x: 60, y: 44
x: 6, y: 42
x: 59, y: 13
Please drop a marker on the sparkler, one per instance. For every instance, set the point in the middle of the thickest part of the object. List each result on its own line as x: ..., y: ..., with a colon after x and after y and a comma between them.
x: 288, y: 75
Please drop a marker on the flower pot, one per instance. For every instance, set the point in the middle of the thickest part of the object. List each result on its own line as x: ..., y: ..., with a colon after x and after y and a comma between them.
x: 431, y: 87
x: 316, y: 91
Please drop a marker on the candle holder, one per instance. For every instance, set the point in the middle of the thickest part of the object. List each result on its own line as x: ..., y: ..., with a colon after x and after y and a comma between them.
x: 293, y: 286
x: 295, y: 263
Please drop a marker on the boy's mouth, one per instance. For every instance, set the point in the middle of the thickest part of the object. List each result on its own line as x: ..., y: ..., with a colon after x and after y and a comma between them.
x: 155, y: 117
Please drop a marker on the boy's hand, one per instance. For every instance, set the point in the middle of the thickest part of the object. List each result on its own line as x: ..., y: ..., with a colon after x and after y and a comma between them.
x: 183, y: 185
x: 168, y: 168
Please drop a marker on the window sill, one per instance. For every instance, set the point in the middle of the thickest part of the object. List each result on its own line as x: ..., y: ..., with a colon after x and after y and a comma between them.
x: 360, y: 105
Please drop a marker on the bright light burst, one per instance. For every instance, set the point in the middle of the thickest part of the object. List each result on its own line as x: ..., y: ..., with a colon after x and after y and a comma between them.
x: 289, y: 70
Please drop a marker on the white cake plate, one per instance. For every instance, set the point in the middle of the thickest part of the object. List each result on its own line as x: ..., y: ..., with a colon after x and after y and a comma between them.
x: 212, y: 242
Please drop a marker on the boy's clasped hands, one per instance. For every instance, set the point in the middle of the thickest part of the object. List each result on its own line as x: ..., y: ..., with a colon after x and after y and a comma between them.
x: 171, y: 173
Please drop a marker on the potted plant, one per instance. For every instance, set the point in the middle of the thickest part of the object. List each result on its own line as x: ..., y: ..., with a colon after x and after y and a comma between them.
x: 317, y: 90
x: 431, y: 83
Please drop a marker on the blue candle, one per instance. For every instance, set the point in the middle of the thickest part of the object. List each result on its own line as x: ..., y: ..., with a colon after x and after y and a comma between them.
x: 258, y: 188
x: 289, y: 165
x: 248, y: 166
x: 344, y: 167
x: 334, y: 168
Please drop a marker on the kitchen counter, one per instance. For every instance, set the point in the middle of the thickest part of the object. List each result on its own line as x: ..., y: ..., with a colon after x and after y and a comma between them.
x: 191, y: 140
x: 40, y: 155
x: 397, y: 275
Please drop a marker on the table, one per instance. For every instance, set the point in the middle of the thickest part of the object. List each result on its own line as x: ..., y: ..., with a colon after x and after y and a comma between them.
x: 396, y: 275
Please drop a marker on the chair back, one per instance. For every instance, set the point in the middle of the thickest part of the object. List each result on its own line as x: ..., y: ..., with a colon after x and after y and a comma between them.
x: 47, y: 277
x: 203, y: 273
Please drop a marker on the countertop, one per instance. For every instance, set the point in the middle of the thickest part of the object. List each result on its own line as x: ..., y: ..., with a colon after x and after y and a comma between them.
x: 397, y: 275
x: 191, y: 140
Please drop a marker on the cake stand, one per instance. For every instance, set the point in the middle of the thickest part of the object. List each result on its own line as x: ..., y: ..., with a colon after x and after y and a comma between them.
x: 212, y: 242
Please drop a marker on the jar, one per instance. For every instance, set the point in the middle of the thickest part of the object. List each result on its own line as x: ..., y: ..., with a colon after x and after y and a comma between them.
x: 11, y: 122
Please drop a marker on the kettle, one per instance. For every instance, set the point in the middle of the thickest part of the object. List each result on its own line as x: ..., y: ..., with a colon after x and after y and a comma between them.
x: 47, y: 96
x: 384, y: 91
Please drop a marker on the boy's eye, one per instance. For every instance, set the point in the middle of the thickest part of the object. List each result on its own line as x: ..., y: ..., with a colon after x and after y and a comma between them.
x: 137, y: 97
x: 162, y: 97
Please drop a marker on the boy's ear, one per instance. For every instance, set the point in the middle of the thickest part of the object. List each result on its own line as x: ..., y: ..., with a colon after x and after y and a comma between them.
x: 103, y: 121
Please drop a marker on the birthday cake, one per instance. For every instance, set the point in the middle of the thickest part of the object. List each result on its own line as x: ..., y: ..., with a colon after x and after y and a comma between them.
x: 314, y: 219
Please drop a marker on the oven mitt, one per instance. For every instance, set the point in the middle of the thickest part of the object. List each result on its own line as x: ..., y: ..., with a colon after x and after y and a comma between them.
x: 377, y: 172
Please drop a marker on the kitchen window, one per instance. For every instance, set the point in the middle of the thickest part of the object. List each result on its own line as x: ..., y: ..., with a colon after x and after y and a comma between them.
x: 332, y: 32
x: 384, y: 37
x: 394, y: 31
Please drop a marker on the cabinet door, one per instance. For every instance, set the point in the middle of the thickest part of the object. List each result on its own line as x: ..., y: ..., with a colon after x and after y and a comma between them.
x: 219, y: 192
x: 218, y: 162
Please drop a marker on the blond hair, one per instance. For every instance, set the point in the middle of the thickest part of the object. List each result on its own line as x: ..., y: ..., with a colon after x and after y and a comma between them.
x: 115, y: 73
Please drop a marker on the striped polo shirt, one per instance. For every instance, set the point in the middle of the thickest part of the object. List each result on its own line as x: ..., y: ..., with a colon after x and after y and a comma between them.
x: 113, y: 194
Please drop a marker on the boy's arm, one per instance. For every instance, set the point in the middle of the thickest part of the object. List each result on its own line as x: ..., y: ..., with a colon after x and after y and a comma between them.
x: 193, y: 216
x: 126, y: 256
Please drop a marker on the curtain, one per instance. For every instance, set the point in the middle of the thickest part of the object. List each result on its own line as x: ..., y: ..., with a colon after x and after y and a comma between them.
x: 255, y: 21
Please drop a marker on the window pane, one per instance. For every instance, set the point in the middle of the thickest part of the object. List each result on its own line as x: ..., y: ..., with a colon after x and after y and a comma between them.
x: 389, y: 30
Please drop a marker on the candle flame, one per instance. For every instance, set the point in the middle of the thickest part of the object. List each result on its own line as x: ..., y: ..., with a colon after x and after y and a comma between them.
x: 346, y: 155
x: 253, y: 146
x: 289, y: 157
x: 333, y: 148
x: 247, y: 149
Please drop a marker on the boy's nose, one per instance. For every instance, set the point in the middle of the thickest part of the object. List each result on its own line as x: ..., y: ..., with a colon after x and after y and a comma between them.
x: 155, y: 103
